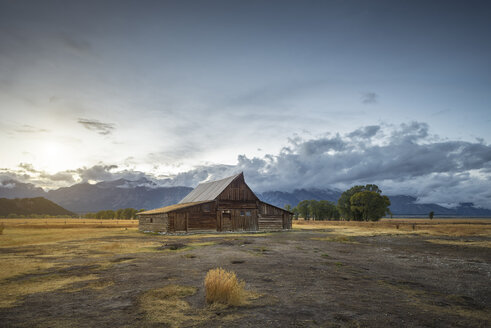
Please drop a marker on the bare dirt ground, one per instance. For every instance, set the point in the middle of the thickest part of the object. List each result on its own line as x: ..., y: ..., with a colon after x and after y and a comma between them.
x: 301, y: 278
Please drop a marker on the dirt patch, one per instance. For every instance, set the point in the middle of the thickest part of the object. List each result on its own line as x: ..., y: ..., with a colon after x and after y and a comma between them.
x: 172, y: 246
x: 122, y: 259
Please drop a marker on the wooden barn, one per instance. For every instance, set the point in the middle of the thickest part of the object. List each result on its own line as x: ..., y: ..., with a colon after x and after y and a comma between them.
x: 223, y: 205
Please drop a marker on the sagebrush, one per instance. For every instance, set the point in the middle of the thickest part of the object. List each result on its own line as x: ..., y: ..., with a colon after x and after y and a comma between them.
x: 222, y: 286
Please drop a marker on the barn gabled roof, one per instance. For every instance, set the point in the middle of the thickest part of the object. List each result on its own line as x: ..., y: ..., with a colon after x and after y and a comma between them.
x: 208, y: 190
x: 171, y: 208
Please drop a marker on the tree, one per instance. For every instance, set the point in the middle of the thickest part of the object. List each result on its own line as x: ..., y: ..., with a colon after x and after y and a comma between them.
x: 431, y: 215
x: 295, y: 213
x: 344, y: 202
x: 314, y: 209
x: 369, y: 205
x: 304, y: 209
x: 288, y: 207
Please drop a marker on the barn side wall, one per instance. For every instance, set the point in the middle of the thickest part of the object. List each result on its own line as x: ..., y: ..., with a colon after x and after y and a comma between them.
x: 201, y: 217
x: 153, y: 222
x: 273, y: 218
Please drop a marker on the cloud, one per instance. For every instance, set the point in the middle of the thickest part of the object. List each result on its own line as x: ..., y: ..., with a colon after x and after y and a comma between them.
x: 102, y: 172
x: 366, y: 132
x: 369, y: 98
x: 27, y: 173
x: 95, y: 125
x: 404, y: 159
x: 29, y: 129
x: 28, y: 167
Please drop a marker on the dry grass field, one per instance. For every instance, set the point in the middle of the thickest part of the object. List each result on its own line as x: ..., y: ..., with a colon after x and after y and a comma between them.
x: 84, y: 273
x: 437, y: 227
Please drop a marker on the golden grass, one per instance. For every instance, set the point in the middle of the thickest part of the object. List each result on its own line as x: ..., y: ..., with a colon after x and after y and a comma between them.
x: 67, y: 221
x: 13, y: 265
x: 222, y: 286
x: 12, y: 292
x: 486, y: 243
x: 35, y: 250
x: 401, y: 227
x: 166, y: 305
x: 15, y: 236
x: 2, y: 227
x: 41, y: 249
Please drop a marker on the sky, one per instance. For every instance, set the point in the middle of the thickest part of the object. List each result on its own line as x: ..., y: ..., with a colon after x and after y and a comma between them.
x: 297, y: 94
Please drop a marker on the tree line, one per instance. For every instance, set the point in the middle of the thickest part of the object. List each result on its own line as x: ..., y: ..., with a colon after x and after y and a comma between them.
x: 120, y: 214
x: 359, y: 203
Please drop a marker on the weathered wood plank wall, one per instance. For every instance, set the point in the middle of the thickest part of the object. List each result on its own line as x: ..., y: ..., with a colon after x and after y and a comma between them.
x: 156, y: 223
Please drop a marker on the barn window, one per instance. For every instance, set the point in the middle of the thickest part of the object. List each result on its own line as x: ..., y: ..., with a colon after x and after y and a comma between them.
x: 206, y: 207
x: 241, y: 213
x: 151, y: 220
x: 248, y: 213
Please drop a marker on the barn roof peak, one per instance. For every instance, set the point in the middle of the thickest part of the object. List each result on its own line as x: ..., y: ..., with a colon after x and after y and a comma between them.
x: 209, y: 190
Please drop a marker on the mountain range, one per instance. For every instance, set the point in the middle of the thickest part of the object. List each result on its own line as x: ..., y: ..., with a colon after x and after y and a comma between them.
x: 143, y: 193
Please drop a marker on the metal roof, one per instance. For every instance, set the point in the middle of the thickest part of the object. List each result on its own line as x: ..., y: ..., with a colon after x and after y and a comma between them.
x: 208, y: 190
x: 170, y: 208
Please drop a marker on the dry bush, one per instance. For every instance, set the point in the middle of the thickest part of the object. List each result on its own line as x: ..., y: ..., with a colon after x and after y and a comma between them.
x: 222, y: 286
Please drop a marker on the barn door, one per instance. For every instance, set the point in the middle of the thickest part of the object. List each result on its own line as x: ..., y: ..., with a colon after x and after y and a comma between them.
x: 226, y: 222
x: 180, y: 222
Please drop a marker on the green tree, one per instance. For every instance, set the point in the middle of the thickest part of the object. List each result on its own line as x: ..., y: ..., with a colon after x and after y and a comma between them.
x: 431, y: 215
x: 314, y: 209
x: 304, y: 209
x: 327, y: 210
x: 110, y: 214
x: 295, y: 213
x: 369, y: 205
x: 344, y: 202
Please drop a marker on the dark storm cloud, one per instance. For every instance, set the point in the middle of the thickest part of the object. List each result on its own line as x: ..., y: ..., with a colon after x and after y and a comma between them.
x: 403, y: 159
x: 366, y: 132
x: 97, y: 126
x: 98, y: 173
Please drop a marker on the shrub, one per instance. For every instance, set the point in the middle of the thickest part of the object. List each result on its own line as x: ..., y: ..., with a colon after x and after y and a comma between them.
x: 1, y: 228
x: 222, y: 286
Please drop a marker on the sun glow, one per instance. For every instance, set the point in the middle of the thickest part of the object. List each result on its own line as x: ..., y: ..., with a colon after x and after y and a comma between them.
x: 53, y: 157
